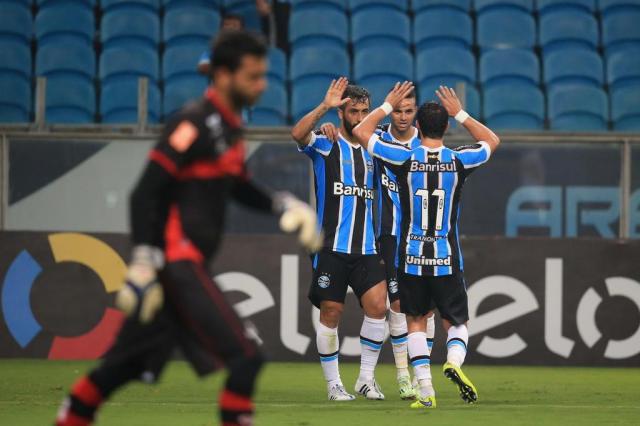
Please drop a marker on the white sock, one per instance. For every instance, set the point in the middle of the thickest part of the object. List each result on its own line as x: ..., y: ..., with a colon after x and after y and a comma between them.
x: 431, y: 332
x: 371, y: 338
x: 398, y: 331
x: 457, y: 339
x: 421, y: 362
x: 327, y: 341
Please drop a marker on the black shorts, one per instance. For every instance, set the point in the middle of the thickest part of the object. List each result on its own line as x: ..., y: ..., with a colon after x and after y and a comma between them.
x: 195, y: 317
x: 387, y: 247
x: 421, y: 294
x: 334, y: 272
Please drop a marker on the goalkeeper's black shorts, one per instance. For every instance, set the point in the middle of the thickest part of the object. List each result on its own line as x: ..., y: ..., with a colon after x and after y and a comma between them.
x: 195, y: 318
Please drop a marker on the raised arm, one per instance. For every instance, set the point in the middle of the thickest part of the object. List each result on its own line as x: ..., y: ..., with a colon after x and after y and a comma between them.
x: 301, y: 132
x: 478, y: 131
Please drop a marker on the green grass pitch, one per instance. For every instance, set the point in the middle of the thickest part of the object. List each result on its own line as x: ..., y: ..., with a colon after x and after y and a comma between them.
x: 294, y: 394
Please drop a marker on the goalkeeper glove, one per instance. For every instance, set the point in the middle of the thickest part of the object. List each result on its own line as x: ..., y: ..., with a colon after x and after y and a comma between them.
x: 299, y: 217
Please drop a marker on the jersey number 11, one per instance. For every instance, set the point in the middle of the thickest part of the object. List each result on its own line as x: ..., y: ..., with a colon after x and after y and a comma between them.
x: 425, y: 201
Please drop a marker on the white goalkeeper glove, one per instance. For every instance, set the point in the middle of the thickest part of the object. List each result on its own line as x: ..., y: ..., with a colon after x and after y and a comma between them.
x: 141, y: 297
x: 298, y: 216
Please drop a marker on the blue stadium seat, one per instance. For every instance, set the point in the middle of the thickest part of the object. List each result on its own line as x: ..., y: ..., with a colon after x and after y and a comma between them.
x: 566, y: 29
x: 427, y: 92
x: 310, y: 4
x: 359, y: 5
x: 506, y: 28
x: 607, y: 7
x: 620, y: 30
x: 370, y: 62
x: 313, y: 63
x: 119, y: 102
x: 176, y: 4
x: 306, y: 95
x: 277, y: 64
x: 386, y: 29
x: 15, y: 22
x: 577, y: 108
x: 246, y: 9
x: 108, y: 5
x: 129, y: 26
x: 311, y: 28
x: 118, y: 63
x: 65, y: 21
x: 181, y: 61
x: 509, y: 66
x: 625, y: 108
x: 514, y: 108
x: 15, y: 59
x: 547, y: 6
x: 15, y: 99
x: 178, y: 93
x: 271, y: 109
x: 70, y: 100
x: 420, y: 5
x: 482, y: 6
x: 623, y: 68
x: 186, y: 25
x: 573, y: 66
x: 46, y: 3
x: 459, y: 66
x: 442, y: 26
x: 66, y: 59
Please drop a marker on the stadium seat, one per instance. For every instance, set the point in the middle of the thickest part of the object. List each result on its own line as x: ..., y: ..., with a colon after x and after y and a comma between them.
x: 608, y: 7
x: 15, y: 59
x: 66, y: 59
x: 623, y: 68
x: 384, y: 28
x: 431, y: 68
x: 187, y: 25
x: 66, y: 21
x: 427, y: 92
x: 179, y: 92
x: 128, y: 26
x: 119, y: 102
x: 120, y: 62
x: 46, y: 3
x: 620, y: 30
x: 312, y: 28
x: 70, y: 100
x: 271, y: 109
x: 341, y: 5
x: 370, y: 62
x: 509, y: 66
x: 547, y: 6
x: 506, y: 28
x: 513, y: 108
x: 573, y: 66
x: 359, y: 5
x: 482, y: 6
x: 246, y: 9
x: 442, y: 26
x: 420, y: 5
x: 176, y: 4
x: 625, y: 108
x: 15, y: 22
x: 568, y: 30
x: 108, y: 5
x: 277, y: 64
x: 306, y: 95
x: 324, y: 62
x: 577, y: 108
x: 15, y: 99
x: 181, y: 61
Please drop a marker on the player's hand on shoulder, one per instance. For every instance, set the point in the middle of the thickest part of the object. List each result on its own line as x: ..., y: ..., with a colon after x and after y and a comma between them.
x: 398, y: 93
x: 300, y: 218
x: 330, y: 131
x: 449, y: 100
x: 333, y: 97
x: 141, y: 296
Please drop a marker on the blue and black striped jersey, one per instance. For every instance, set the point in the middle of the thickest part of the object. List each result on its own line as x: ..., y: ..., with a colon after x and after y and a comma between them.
x: 344, y: 190
x: 430, y: 184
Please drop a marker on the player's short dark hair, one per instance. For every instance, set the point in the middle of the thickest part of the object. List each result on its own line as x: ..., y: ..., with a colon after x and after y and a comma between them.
x: 411, y: 95
x: 232, y: 45
x: 432, y: 119
x: 233, y: 17
x: 357, y: 94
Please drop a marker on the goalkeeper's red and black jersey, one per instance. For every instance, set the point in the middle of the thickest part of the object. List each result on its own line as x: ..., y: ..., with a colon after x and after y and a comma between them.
x: 198, y: 164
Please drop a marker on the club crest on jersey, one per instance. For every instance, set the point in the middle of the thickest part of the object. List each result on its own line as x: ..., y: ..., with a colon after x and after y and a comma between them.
x: 393, y: 286
x: 418, y: 166
x: 324, y: 281
x: 340, y: 188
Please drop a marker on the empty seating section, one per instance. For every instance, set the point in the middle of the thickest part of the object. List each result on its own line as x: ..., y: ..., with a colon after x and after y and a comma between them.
x: 565, y: 65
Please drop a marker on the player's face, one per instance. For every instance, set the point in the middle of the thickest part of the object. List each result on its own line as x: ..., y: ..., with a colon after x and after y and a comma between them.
x: 404, y: 115
x: 352, y: 114
x: 249, y: 81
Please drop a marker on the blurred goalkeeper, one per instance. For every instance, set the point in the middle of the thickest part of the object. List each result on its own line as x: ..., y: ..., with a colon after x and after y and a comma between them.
x: 177, y: 218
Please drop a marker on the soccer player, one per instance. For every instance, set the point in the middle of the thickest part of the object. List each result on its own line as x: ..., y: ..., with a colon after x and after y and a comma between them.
x: 400, y: 131
x: 177, y: 217
x: 430, y: 268
x: 344, y: 192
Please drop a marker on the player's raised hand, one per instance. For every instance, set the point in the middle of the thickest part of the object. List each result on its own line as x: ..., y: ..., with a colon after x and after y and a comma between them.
x: 298, y: 217
x: 330, y: 131
x: 449, y: 100
x: 398, y: 93
x: 333, y: 98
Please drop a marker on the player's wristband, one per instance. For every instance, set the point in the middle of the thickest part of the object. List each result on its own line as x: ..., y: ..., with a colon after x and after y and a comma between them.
x: 461, y: 116
x: 387, y: 108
